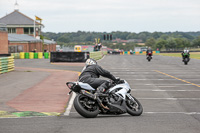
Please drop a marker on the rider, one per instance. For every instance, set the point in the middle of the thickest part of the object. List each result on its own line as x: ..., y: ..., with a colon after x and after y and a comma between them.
x: 149, y: 52
x: 185, y: 51
x: 91, y: 73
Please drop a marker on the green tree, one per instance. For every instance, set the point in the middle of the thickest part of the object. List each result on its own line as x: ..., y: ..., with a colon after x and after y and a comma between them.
x: 160, y: 43
x: 171, y: 43
x: 150, y: 42
x: 196, y: 42
x: 181, y: 43
x: 64, y: 38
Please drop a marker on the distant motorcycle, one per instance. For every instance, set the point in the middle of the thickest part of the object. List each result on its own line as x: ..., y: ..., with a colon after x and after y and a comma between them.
x: 186, y: 58
x: 116, y: 100
x: 149, y: 56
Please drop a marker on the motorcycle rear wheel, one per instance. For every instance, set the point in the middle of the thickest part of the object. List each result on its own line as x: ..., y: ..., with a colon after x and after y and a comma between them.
x: 134, y: 107
x: 84, y: 108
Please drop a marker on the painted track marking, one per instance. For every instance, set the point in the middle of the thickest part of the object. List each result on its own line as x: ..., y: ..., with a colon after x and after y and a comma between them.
x: 165, y: 90
x: 67, y: 112
x: 177, y: 78
x: 186, y: 113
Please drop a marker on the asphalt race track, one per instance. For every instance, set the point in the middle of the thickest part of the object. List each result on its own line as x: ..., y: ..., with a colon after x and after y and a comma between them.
x: 168, y: 90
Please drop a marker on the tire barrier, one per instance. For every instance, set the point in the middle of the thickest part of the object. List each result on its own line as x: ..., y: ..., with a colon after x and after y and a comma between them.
x: 96, y: 55
x: 69, y: 56
x: 40, y: 55
x: 16, y: 55
x: 136, y: 53
x: 115, y: 53
x: 26, y: 55
x: 21, y: 54
x: 6, y: 64
x: 35, y: 55
x: 46, y: 55
x: 31, y: 55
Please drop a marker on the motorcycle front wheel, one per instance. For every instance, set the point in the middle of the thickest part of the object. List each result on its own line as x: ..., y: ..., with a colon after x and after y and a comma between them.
x: 86, y: 106
x: 133, y: 106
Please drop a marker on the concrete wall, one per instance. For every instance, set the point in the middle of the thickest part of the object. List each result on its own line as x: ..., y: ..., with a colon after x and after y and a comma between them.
x: 3, y: 42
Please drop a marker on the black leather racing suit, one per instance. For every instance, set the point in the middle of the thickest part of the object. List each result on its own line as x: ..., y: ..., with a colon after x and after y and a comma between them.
x: 149, y: 51
x: 91, y: 74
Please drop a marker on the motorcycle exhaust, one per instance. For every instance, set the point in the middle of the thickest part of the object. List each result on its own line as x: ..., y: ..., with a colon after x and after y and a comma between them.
x: 86, y: 93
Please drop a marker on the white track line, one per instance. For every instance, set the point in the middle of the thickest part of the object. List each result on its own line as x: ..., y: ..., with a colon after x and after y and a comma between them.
x: 160, y: 79
x: 164, y: 90
x: 70, y: 104
x: 101, y: 58
x: 187, y: 113
x: 169, y: 98
x: 163, y: 84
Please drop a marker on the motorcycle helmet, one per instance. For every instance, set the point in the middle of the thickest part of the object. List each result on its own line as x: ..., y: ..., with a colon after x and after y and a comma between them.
x: 90, y: 62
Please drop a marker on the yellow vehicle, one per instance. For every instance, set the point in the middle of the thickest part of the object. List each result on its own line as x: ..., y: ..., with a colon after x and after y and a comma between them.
x: 77, y: 48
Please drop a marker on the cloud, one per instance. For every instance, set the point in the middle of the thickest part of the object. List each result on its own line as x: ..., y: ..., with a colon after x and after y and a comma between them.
x: 108, y: 15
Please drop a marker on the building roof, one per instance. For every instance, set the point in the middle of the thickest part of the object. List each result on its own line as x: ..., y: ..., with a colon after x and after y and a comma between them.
x: 49, y: 42
x: 21, y: 38
x: 17, y: 18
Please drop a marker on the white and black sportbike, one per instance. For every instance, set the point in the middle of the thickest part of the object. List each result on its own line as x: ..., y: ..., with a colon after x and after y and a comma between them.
x: 116, y: 100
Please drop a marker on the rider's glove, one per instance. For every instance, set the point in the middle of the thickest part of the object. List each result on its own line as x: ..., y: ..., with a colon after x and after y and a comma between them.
x: 117, y: 79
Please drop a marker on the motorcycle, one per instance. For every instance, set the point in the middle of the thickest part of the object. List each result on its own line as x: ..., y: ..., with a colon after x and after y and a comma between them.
x: 186, y: 58
x: 149, y: 56
x: 116, y: 100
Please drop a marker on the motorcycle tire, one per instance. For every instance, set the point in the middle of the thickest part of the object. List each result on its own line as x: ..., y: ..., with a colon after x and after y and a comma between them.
x: 186, y: 60
x: 134, y: 112
x: 83, y: 110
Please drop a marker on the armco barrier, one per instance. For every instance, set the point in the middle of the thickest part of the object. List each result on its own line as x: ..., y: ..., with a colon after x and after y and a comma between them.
x: 69, y: 56
x: 6, y: 64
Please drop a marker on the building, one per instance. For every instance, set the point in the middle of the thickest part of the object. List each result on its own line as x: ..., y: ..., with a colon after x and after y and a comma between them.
x: 22, y: 34
x: 23, y: 43
x: 3, y: 39
x: 18, y: 23
x: 49, y: 45
x: 118, y: 40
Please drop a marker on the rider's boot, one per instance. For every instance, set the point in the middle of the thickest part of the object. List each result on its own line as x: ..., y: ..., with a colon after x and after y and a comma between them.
x: 99, y: 91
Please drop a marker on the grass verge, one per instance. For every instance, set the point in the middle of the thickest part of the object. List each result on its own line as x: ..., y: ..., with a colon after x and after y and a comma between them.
x: 194, y: 55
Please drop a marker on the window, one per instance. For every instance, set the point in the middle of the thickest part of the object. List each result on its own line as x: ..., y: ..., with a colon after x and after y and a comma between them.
x: 31, y: 30
x: 11, y: 30
x: 28, y: 30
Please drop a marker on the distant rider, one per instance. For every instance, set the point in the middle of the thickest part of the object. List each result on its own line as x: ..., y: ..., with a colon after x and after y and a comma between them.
x: 149, y: 52
x: 185, y: 51
x: 91, y: 73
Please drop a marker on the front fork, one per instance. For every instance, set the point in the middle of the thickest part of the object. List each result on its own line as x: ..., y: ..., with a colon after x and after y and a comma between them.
x: 131, y: 98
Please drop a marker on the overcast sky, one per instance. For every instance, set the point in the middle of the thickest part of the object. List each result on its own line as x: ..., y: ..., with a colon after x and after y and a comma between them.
x: 110, y: 15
